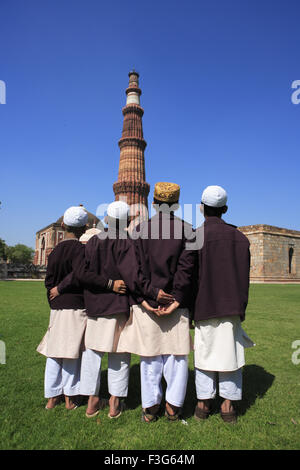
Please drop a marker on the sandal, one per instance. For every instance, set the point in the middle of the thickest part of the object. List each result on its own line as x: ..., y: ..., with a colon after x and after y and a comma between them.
x: 75, y: 402
x: 103, y: 403
x: 148, y: 417
x: 201, y: 414
x: 229, y: 417
x: 58, y: 400
x: 175, y: 417
x: 121, y: 408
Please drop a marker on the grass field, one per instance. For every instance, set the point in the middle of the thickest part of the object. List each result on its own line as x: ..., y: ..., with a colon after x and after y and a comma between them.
x: 269, y: 414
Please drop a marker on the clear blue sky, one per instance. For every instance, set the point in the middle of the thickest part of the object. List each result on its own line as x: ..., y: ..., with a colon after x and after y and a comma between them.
x: 216, y: 79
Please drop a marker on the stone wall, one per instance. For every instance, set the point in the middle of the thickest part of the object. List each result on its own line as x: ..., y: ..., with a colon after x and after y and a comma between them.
x: 14, y: 271
x: 257, y: 255
x: 275, y: 253
x: 3, y: 270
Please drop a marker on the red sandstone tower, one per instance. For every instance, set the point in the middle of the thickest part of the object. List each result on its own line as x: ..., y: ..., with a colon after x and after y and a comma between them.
x: 131, y: 185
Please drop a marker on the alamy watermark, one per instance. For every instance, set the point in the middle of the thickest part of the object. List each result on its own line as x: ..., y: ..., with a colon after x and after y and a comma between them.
x: 2, y: 353
x: 296, y: 354
x: 2, y: 92
x: 172, y: 224
x: 296, y: 94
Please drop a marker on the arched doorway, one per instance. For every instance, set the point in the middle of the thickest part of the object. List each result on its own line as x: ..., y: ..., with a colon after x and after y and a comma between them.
x: 291, y: 256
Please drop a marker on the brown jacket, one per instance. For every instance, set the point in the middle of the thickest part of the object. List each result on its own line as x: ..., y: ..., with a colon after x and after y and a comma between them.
x: 222, y: 283
x: 65, y: 257
x: 163, y: 257
x: 111, y: 258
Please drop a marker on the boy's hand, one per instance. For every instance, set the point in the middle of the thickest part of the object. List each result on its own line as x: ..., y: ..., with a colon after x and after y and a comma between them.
x: 163, y: 298
x: 162, y: 310
x: 148, y: 307
x: 53, y: 293
x: 120, y: 287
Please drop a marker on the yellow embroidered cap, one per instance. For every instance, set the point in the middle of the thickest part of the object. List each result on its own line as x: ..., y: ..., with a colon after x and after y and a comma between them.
x: 167, y: 192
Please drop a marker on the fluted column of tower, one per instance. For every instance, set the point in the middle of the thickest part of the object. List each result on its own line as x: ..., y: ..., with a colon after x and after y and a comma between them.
x: 131, y: 185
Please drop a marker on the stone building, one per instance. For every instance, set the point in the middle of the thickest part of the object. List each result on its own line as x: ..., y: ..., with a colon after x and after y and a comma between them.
x: 48, y: 237
x: 275, y: 253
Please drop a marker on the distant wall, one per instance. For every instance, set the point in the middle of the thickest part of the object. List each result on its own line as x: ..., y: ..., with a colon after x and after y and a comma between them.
x: 3, y: 270
x: 18, y: 271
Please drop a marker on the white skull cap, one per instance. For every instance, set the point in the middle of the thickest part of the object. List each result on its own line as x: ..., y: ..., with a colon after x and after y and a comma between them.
x: 75, y: 216
x: 118, y: 210
x: 214, y: 196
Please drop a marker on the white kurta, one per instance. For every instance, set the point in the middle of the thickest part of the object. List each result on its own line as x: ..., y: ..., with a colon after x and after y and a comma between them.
x: 146, y: 334
x: 102, y: 333
x: 64, y: 337
x: 219, y: 344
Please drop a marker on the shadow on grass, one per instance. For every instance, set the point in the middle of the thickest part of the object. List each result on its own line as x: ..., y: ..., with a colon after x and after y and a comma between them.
x: 256, y: 383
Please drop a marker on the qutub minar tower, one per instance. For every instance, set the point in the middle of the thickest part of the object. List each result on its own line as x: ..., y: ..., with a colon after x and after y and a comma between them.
x: 131, y: 186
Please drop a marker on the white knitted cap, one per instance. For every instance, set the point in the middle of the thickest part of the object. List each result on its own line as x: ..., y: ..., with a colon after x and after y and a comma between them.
x: 214, y: 196
x: 75, y: 216
x: 118, y: 210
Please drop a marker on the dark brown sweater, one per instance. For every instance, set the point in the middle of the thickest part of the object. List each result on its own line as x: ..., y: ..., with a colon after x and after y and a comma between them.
x: 222, y: 272
x: 64, y: 258
x: 163, y: 257
x: 111, y: 258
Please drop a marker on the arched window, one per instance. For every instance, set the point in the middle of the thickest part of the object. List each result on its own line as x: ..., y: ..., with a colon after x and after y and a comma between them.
x: 42, y: 260
x: 291, y: 253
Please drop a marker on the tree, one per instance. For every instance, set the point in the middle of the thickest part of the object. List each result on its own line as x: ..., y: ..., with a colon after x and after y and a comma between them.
x: 19, y: 253
x: 3, y: 249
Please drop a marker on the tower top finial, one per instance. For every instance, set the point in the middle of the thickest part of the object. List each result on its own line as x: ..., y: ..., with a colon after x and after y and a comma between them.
x: 133, y: 72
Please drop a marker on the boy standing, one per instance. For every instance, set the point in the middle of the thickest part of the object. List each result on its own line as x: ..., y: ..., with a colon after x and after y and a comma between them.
x: 221, y: 300
x: 110, y: 255
x: 62, y: 342
x: 161, y: 337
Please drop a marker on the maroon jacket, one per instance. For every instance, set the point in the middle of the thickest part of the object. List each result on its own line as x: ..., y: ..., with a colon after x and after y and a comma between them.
x: 111, y: 258
x: 163, y: 257
x: 65, y: 257
x: 222, y: 272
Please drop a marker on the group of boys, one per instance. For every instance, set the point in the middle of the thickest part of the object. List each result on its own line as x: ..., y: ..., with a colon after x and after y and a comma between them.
x: 122, y: 294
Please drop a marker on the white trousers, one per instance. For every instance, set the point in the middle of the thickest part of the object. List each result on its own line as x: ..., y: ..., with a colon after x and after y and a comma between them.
x: 230, y: 384
x: 118, y: 373
x: 175, y: 371
x: 62, y: 377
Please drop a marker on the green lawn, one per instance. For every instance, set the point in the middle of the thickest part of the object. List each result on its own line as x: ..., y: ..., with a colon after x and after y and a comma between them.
x: 269, y: 415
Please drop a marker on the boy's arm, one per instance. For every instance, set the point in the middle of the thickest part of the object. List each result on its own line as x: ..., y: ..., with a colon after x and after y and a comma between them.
x: 244, y: 271
x: 134, y: 278
x: 49, y: 273
x: 70, y: 281
x: 82, y: 274
x: 86, y: 271
x: 195, y: 283
x: 183, y: 281
x: 183, y: 278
